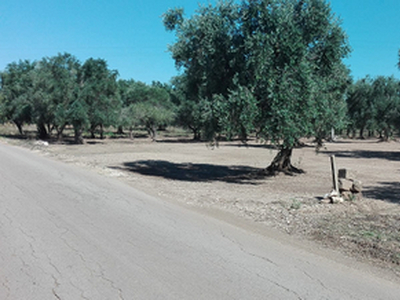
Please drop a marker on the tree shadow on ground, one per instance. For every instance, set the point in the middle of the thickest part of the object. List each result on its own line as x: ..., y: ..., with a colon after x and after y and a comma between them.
x: 388, y: 155
x: 14, y: 136
x: 180, y: 140
x: 195, y: 172
x: 386, y: 191
x: 245, y: 145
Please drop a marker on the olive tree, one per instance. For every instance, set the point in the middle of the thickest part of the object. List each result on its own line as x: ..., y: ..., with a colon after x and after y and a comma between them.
x: 98, y: 90
x: 57, y: 87
x: 145, y: 105
x: 16, y: 88
x: 266, y: 65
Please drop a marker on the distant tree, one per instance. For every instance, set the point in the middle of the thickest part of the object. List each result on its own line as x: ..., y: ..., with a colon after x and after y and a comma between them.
x: 146, y: 105
x: 77, y: 116
x: 2, y: 108
x: 373, y: 104
x: 190, y: 111
x: 128, y: 119
x: 98, y: 89
x: 386, y: 96
x: 16, y: 88
x: 270, y: 63
x: 58, y: 83
x: 151, y: 116
x: 361, y: 106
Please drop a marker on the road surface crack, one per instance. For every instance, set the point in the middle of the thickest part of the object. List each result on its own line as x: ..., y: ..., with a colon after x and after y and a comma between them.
x: 112, y: 284
x: 78, y: 288
x: 56, y: 285
x: 313, y: 279
x: 246, y: 251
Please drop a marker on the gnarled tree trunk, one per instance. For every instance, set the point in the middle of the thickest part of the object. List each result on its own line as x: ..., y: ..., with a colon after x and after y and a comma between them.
x: 101, y: 132
x: 196, y: 133
x: 151, y: 129
x: 131, y: 133
x: 42, y: 131
x: 60, y: 131
x: 78, y: 135
x: 120, y: 130
x: 282, y: 163
x: 19, y: 126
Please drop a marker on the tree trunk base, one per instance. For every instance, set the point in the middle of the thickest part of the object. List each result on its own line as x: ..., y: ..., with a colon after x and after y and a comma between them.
x: 78, y: 136
x: 120, y: 130
x: 42, y: 131
x: 282, y: 164
x: 19, y: 126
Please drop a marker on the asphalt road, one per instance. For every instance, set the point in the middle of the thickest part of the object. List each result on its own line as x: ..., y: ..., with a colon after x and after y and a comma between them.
x: 67, y: 233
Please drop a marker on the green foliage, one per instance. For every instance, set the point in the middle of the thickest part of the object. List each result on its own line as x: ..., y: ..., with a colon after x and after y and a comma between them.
x: 99, y: 91
x: 56, y: 88
x: 204, y: 51
x: 132, y: 91
x: 268, y: 65
x: 238, y: 112
x: 152, y: 115
x: 190, y: 111
x: 58, y: 91
x: 296, y: 204
x: 361, y: 107
x: 374, y: 104
x: 16, y: 91
x: 145, y: 105
x: 2, y: 109
x: 386, y: 95
x: 78, y: 118
x: 330, y: 105
x: 173, y: 18
x: 295, y: 49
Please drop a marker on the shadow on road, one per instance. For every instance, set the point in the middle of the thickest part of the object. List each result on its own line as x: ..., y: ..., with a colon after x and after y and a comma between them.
x: 195, y: 172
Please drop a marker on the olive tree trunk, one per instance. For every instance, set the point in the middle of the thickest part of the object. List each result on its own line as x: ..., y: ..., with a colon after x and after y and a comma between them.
x: 282, y: 162
x: 78, y: 135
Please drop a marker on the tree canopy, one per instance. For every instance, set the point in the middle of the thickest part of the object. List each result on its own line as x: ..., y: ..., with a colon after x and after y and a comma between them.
x: 264, y: 65
x: 16, y: 90
x: 374, y: 105
x: 146, y: 105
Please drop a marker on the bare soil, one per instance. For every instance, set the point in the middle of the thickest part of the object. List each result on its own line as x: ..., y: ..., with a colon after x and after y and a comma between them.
x: 226, y: 179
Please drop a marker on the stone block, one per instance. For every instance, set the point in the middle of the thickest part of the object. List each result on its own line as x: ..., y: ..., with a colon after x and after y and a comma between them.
x: 337, y: 199
x: 346, y: 173
x: 342, y: 173
x: 345, y: 184
x: 357, y: 186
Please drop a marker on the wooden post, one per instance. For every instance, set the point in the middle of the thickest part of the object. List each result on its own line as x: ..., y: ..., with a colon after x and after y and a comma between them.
x: 334, y: 174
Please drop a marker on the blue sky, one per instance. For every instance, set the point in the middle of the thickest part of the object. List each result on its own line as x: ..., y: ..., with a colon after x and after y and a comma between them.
x: 129, y: 34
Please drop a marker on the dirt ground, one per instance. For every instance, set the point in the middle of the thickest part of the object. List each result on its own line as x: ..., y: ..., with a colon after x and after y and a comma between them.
x: 224, y: 179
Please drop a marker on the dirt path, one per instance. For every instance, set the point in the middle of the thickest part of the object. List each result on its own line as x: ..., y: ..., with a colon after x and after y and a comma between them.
x: 218, y: 179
